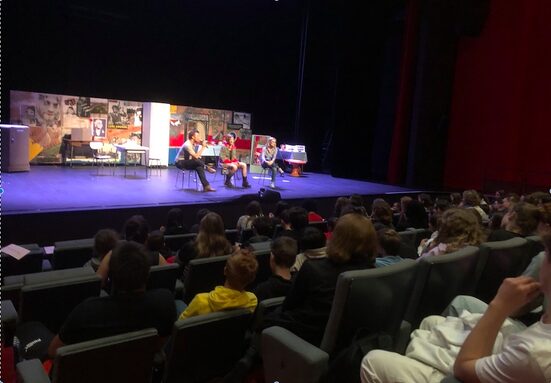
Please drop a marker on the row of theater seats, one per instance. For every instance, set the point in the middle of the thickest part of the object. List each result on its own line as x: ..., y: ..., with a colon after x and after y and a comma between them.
x: 393, y: 300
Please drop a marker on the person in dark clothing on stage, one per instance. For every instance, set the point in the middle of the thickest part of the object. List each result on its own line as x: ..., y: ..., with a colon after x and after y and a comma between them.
x: 188, y: 158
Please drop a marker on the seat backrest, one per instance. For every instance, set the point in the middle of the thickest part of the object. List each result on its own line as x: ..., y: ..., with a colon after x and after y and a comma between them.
x: 121, y: 358
x: 176, y: 241
x: 207, y: 346
x: 163, y: 277
x: 441, y: 278
x: 420, y: 234
x: 263, y: 308
x: 246, y: 234
x: 14, y: 283
x: 264, y: 270
x: 30, y: 263
x: 535, y: 245
x: 204, y: 274
x: 50, y: 302
x: 374, y: 300
x: 232, y: 235
x: 74, y: 253
x: 408, y: 237
x: 500, y: 260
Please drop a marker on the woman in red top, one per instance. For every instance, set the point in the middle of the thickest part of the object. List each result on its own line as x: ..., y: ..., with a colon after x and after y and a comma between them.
x: 228, y: 157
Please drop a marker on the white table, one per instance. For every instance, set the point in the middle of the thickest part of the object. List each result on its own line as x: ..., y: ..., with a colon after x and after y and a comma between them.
x: 132, y: 149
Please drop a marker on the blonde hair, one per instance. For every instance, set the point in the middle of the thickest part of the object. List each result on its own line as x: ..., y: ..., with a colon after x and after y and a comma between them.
x: 354, y: 237
x: 459, y: 228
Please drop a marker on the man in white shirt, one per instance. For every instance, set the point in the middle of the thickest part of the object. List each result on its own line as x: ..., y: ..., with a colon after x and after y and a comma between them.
x: 190, y: 159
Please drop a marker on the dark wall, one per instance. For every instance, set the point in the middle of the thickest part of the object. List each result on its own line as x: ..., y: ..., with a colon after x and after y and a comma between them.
x: 237, y: 55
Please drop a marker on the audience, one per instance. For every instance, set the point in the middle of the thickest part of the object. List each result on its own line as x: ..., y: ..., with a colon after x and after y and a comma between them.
x: 245, y: 222
x: 306, y: 308
x: 339, y: 204
x: 263, y: 230
x: 312, y: 246
x: 312, y: 209
x: 240, y: 271
x: 298, y: 220
x: 105, y: 240
x: 388, y: 247
x: 520, y: 221
x: 211, y: 241
x: 174, y: 222
x: 381, y: 214
x: 458, y: 228
x: 471, y: 200
x: 201, y: 213
x: 414, y: 216
x: 282, y: 257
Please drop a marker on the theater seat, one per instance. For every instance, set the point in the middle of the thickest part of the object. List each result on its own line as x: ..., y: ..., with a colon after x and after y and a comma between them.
x: 76, y: 253
x: 440, y: 279
x: 204, y: 274
x: 374, y: 300
x: 163, y: 277
x: 207, y: 346
x: 30, y: 263
x: 115, y: 359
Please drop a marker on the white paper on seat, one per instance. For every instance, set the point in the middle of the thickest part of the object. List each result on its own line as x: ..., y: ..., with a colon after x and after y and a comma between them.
x: 15, y: 251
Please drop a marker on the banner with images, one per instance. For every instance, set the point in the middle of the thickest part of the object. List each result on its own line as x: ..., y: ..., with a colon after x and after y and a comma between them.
x: 51, y: 119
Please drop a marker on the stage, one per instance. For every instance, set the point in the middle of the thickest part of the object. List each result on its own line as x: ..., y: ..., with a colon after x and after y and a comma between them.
x: 68, y: 198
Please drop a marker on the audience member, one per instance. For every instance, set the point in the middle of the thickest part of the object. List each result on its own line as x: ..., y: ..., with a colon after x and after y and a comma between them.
x: 388, y: 248
x: 471, y: 200
x: 136, y: 229
x: 358, y: 201
x: 479, y: 345
x: 339, y: 204
x: 174, y: 222
x: 456, y: 199
x: 458, y: 228
x: 414, y: 216
x: 157, y: 248
x: 381, y: 214
x: 538, y: 198
x: 520, y: 221
x: 298, y: 220
x: 245, y: 222
x: 240, y: 271
x: 282, y: 257
x: 211, y: 241
x: 201, y: 213
x: 263, y: 230
x: 312, y: 247
x: 312, y: 209
x: 129, y: 308
x: 105, y: 240
x: 306, y: 308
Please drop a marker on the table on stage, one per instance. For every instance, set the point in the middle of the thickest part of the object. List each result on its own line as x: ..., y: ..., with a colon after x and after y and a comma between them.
x: 133, y: 149
x: 296, y: 159
x: 72, y: 144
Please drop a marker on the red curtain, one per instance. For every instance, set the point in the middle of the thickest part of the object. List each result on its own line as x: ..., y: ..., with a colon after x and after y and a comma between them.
x: 500, y: 125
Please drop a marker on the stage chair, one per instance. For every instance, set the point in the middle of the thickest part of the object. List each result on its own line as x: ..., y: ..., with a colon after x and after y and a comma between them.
x: 176, y: 241
x: 75, y: 253
x: 204, y: 274
x: 100, y: 158
x: 263, y: 174
x: 47, y: 299
x: 207, y: 346
x: 374, y: 300
x: 163, y: 277
x: 500, y: 260
x: 441, y: 278
x: 154, y: 163
x: 182, y: 173
x: 120, y: 358
x: 30, y: 263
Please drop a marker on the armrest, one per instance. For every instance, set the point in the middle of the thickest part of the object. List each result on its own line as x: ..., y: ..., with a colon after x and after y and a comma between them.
x: 402, y: 337
x: 9, y: 321
x: 263, y: 308
x: 31, y: 371
x: 288, y: 358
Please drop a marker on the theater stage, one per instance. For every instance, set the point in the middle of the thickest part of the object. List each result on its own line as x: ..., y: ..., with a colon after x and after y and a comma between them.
x: 72, y: 196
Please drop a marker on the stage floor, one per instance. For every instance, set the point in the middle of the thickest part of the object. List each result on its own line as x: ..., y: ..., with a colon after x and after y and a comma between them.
x: 58, y: 188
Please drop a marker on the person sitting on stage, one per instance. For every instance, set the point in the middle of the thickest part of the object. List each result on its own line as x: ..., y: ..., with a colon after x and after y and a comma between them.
x: 269, y: 155
x: 228, y: 157
x: 240, y: 271
x: 190, y: 159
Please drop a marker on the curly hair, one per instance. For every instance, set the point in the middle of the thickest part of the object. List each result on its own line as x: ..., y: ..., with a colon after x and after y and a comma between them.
x: 354, y: 237
x: 459, y: 228
x: 241, y: 268
x: 211, y: 240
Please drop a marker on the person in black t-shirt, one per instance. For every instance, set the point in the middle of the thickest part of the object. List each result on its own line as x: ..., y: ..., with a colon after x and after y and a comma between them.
x: 130, y: 308
x: 283, y: 254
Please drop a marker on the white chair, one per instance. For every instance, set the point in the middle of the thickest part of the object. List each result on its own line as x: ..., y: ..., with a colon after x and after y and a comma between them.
x: 100, y: 158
